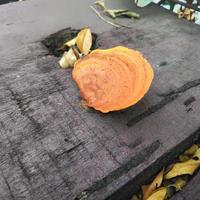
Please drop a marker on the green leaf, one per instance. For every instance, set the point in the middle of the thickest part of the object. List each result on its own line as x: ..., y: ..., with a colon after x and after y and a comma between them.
x: 143, y: 3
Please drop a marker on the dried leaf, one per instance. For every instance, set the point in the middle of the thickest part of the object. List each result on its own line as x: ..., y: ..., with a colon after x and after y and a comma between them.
x: 158, y: 194
x: 186, y: 13
x: 184, y: 158
x: 68, y: 59
x: 179, y: 184
x: 119, y: 13
x: 100, y: 4
x: 187, y: 167
x: 191, y: 150
x: 148, y: 190
x: 84, y: 40
x: 112, y: 13
x: 193, y: 17
x: 196, y: 156
x: 71, y: 42
x: 129, y: 14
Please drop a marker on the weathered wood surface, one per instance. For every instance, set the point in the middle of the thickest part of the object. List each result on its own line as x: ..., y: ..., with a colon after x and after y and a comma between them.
x: 51, y: 148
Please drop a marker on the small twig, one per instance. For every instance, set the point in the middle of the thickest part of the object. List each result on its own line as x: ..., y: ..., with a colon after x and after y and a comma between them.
x: 105, y: 20
x: 76, y: 53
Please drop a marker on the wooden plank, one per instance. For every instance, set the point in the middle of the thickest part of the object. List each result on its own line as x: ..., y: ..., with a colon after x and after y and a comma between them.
x: 190, y: 191
x: 51, y: 148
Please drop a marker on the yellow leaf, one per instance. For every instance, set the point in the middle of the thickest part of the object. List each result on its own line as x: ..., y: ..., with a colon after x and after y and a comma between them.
x: 188, y: 17
x: 71, y: 42
x: 191, y: 150
x: 187, y: 167
x: 68, y: 59
x: 84, y: 40
x: 180, y: 15
x: 147, y: 190
x: 158, y: 194
x: 179, y: 184
x: 193, y: 17
x: 101, y: 4
x: 197, y: 153
x: 187, y: 11
x: 184, y: 158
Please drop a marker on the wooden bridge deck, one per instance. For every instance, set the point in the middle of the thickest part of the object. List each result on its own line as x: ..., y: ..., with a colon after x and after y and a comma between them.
x: 51, y: 148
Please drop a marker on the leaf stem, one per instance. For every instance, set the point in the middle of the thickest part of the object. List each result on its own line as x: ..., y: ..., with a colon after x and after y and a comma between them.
x: 105, y: 20
x: 76, y: 53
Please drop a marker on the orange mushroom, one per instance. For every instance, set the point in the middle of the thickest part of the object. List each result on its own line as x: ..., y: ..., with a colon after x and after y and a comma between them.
x: 112, y: 79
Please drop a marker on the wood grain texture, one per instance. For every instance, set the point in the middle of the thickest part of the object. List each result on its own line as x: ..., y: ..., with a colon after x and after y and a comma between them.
x: 51, y: 148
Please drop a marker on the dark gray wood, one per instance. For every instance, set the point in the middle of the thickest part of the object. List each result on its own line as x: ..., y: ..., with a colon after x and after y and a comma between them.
x: 190, y: 191
x: 53, y: 149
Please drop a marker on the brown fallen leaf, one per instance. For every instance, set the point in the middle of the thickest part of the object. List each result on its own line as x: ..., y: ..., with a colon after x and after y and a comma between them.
x: 84, y: 40
x: 186, y: 13
x: 158, y: 194
x: 148, y: 189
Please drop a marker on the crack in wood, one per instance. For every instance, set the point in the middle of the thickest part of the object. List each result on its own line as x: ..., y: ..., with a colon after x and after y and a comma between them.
x: 22, y: 167
x: 123, y: 169
x: 8, y: 186
x: 65, y: 180
x: 152, y: 109
x: 70, y: 150
x: 15, y: 97
x: 168, y: 98
x: 183, y: 88
x: 190, y: 100
x: 136, y: 143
